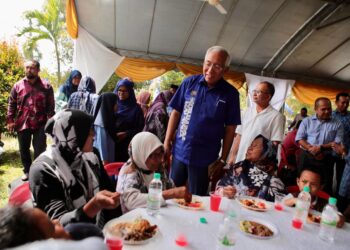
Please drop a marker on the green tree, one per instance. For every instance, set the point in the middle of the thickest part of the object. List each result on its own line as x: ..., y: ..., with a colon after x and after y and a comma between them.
x: 171, y: 77
x: 11, y: 70
x: 48, y: 24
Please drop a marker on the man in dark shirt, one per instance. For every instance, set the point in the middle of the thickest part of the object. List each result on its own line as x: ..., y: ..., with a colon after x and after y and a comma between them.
x: 31, y: 103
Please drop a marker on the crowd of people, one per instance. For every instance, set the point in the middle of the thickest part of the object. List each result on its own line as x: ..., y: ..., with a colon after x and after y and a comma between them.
x: 194, y: 136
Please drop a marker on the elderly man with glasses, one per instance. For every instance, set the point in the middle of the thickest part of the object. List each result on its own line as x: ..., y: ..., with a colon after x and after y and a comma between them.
x: 205, y: 111
x: 259, y: 119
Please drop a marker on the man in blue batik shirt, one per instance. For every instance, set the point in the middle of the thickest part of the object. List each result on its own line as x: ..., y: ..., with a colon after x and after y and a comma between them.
x: 321, y: 137
x: 205, y: 111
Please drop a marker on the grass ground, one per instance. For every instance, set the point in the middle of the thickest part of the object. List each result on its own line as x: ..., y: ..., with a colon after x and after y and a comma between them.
x: 10, y: 167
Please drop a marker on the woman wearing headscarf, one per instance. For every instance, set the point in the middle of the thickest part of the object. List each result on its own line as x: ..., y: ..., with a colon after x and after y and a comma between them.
x: 255, y: 175
x: 67, y: 89
x: 105, y: 129
x: 130, y: 119
x: 146, y: 158
x: 85, y: 97
x: 68, y: 181
x: 157, y: 117
x: 143, y: 99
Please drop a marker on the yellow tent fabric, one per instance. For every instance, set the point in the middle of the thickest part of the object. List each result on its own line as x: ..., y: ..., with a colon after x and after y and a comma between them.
x: 141, y: 70
x: 71, y: 19
x: 308, y: 93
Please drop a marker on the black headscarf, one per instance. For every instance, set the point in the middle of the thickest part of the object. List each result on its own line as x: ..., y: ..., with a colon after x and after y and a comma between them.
x: 104, y: 114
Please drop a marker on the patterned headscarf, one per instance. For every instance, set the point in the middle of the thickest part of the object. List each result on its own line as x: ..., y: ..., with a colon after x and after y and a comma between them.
x: 70, y: 128
x: 87, y: 84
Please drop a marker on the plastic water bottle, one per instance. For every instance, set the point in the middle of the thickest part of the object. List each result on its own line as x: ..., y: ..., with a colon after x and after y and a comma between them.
x: 302, y: 208
x: 329, y: 220
x: 226, y: 235
x: 154, y: 195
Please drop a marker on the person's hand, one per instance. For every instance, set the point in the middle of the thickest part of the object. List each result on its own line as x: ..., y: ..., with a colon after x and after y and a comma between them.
x: 338, y: 148
x: 215, y: 169
x: 229, y: 192
x: 188, y: 195
x: 121, y: 136
x: 102, y: 200
x: 314, y: 150
x: 167, y: 150
x: 11, y: 127
x: 341, y: 221
x: 106, y: 199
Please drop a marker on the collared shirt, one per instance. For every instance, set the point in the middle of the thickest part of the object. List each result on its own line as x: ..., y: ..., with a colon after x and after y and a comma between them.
x: 318, y: 132
x: 345, y: 121
x: 269, y: 123
x: 83, y: 101
x: 204, y: 114
x: 30, y: 105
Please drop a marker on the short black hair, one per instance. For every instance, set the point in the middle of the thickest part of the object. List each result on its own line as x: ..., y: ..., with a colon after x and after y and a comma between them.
x: 17, y: 227
x: 343, y: 94
x: 173, y: 86
x: 315, y: 169
x: 35, y: 62
x: 270, y: 87
x: 305, y: 109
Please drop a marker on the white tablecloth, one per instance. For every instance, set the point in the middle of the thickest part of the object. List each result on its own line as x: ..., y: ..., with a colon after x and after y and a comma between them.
x: 173, y: 220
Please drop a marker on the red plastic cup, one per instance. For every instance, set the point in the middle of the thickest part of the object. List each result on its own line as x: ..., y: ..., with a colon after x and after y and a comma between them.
x: 215, y: 200
x: 296, y: 223
x: 278, y: 207
x: 181, y: 240
x: 114, y: 243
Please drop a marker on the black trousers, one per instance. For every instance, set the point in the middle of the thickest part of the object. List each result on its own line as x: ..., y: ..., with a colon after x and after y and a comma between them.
x: 25, y: 138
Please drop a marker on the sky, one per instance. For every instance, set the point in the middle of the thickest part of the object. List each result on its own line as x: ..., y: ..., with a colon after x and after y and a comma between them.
x: 11, y: 20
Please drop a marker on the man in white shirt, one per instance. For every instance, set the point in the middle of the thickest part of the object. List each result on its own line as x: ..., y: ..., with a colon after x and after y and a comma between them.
x: 262, y: 119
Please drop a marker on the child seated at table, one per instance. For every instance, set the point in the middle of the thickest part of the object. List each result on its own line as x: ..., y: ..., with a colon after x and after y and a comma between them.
x: 313, y: 178
x: 255, y: 175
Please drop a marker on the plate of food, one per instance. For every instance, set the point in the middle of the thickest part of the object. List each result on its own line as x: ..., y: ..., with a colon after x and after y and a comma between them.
x: 314, y: 217
x: 258, y: 228
x: 133, y: 232
x: 195, y: 204
x: 254, y: 204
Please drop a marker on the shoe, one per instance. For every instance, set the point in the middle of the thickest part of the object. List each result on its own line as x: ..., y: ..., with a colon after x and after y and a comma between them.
x: 24, y: 177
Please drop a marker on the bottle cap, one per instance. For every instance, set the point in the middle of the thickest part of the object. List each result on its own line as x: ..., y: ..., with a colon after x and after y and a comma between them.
x: 332, y: 201
x: 156, y: 176
x: 203, y: 220
x: 306, y: 189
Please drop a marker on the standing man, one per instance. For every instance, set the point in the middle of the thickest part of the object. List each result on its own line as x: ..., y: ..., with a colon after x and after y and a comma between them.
x: 262, y: 119
x: 205, y: 111
x: 342, y: 114
x: 31, y: 103
x: 298, y: 117
x: 319, y: 136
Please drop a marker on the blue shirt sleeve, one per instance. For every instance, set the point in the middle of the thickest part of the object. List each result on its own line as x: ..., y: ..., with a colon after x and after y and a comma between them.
x: 339, y: 138
x: 302, y: 133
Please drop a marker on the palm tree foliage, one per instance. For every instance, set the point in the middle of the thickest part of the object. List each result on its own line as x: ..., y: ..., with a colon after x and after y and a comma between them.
x: 48, y: 24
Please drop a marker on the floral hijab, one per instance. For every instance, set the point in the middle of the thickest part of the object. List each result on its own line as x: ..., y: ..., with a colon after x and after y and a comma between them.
x: 256, y: 177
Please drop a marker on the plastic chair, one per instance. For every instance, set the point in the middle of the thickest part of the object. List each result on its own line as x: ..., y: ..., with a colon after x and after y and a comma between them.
x: 113, y: 168
x: 20, y: 194
x: 321, y: 194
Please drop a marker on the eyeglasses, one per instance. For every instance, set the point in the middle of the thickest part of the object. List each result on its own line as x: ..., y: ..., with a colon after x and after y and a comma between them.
x: 258, y: 92
x: 215, y: 67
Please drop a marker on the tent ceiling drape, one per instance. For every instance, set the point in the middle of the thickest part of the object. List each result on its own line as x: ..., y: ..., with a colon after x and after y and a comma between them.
x: 303, y: 40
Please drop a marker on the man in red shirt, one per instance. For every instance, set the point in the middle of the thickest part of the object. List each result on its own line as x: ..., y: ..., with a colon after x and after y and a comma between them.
x: 31, y: 104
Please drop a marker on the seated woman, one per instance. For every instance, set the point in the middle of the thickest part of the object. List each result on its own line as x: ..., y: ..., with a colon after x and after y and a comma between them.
x: 68, y: 181
x: 146, y: 157
x: 255, y: 175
